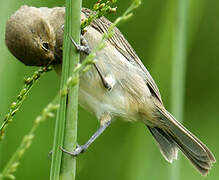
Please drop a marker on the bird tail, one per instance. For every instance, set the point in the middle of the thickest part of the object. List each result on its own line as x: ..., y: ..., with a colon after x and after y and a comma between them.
x: 173, y: 135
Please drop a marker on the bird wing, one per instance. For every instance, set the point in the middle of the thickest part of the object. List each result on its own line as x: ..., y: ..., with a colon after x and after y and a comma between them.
x: 121, y: 44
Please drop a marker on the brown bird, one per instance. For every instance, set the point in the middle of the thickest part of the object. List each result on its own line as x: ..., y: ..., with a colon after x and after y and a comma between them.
x: 117, y: 85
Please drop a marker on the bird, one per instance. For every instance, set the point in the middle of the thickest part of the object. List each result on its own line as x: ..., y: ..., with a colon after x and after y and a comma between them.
x: 117, y: 85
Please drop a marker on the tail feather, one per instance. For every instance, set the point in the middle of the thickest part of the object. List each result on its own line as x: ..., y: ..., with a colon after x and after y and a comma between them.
x: 167, y: 146
x: 172, y: 134
x: 189, y: 140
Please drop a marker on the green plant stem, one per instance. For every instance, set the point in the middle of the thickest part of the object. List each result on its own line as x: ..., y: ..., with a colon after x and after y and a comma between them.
x: 15, y: 106
x: 68, y: 166
x: 66, y: 121
x: 179, y: 70
x: 13, y: 163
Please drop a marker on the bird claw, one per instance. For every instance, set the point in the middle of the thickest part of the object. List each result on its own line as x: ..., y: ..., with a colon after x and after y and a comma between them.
x: 78, y: 150
x: 81, y: 48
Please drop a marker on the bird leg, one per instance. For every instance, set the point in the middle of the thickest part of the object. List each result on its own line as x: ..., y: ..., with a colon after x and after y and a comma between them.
x: 105, y: 121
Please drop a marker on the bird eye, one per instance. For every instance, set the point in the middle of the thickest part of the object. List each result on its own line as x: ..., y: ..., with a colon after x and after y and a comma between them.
x: 45, y: 46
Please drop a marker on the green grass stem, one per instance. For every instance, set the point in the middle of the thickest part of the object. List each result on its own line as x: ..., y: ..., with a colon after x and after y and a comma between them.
x: 73, y: 14
x: 66, y: 121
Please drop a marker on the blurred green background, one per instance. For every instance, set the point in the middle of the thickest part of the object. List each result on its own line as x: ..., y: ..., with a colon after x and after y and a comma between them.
x: 126, y: 150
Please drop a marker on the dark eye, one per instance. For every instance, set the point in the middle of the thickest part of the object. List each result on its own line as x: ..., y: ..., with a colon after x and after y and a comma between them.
x: 46, y: 46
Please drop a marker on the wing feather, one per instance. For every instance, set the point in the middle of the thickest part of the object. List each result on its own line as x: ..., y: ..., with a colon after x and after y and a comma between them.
x: 121, y: 44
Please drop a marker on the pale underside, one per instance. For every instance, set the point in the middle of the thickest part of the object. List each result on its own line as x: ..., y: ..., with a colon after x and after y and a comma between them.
x: 129, y: 95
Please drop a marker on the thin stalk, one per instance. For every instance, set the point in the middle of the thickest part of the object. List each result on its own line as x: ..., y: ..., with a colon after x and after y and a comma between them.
x: 15, y: 106
x: 179, y: 70
x: 14, y: 162
x: 66, y: 121
x: 68, y: 166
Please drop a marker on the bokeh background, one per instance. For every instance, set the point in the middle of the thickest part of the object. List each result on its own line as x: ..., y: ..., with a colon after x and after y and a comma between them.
x: 126, y: 151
